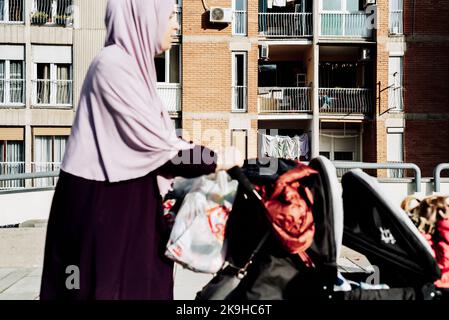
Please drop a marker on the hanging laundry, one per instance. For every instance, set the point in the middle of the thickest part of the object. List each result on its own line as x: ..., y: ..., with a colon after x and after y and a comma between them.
x: 279, y: 3
x: 285, y: 147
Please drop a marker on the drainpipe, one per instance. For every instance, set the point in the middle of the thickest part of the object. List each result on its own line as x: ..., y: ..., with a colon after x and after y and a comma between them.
x: 315, y: 84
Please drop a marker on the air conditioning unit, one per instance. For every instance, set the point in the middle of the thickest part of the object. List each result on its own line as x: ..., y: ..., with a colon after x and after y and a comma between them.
x: 369, y: 2
x: 365, y: 54
x: 263, y: 53
x: 220, y: 15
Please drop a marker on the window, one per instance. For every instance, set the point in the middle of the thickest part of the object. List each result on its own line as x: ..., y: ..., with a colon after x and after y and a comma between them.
x: 12, y: 83
x: 239, y: 139
x: 332, y: 5
x: 239, y: 81
x: 48, y: 153
x: 168, y: 71
x: 395, y: 80
x: 53, y: 85
x: 51, y: 11
x: 340, y: 146
x: 168, y: 65
x: 11, y: 11
x: 396, y: 16
x: 342, y: 5
x: 239, y: 25
x: 395, y: 151
x: 12, y: 155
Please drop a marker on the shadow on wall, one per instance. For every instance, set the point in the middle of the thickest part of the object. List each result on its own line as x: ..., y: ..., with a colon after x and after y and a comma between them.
x: 206, y: 24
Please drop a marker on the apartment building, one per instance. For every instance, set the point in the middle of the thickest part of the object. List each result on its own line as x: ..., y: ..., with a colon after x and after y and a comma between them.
x: 348, y: 74
x: 353, y: 80
x: 46, y: 47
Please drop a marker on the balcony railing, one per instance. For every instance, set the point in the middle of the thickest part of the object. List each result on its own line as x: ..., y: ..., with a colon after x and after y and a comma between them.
x: 396, y: 19
x: 285, y: 24
x: 396, y: 98
x: 11, y: 11
x: 239, y: 98
x: 356, y: 25
x: 284, y: 100
x: 54, y: 12
x: 52, y: 93
x: 8, y: 168
x: 170, y: 93
x: 343, y: 100
x: 239, y: 27
x: 12, y: 92
x: 45, y: 167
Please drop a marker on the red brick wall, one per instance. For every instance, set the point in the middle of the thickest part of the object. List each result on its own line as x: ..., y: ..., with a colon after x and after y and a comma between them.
x: 427, y: 144
x: 426, y: 17
x: 426, y: 77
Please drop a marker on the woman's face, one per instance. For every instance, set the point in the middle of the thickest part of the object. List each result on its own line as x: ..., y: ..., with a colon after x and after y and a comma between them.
x: 173, y: 27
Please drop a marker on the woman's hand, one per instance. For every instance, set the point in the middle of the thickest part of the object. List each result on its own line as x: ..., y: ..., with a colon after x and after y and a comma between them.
x: 228, y: 158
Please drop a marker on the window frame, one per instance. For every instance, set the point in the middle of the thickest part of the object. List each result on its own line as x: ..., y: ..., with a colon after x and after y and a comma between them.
x: 7, y: 88
x: 53, y: 86
x: 234, y: 79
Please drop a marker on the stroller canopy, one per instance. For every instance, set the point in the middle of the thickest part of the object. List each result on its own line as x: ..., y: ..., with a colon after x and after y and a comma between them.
x: 383, y: 232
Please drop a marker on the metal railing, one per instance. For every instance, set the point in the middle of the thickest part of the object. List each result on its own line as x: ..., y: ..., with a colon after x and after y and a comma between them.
x: 396, y: 173
x: 286, y: 24
x: 52, y: 12
x: 396, y: 25
x: 239, y: 25
x: 170, y: 93
x: 45, y: 167
x: 239, y: 98
x: 375, y: 166
x: 396, y: 98
x: 12, y: 92
x: 345, y: 100
x: 52, y: 93
x: 284, y: 100
x: 11, y: 11
x: 11, y: 168
x: 344, y: 24
x: 437, y: 175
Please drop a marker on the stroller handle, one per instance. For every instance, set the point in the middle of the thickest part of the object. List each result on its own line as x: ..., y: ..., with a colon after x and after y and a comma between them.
x: 236, y: 173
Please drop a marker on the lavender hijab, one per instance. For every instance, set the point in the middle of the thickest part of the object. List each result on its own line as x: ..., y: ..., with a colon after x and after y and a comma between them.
x: 122, y: 130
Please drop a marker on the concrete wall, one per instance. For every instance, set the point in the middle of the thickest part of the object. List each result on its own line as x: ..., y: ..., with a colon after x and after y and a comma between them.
x: 22, y: 206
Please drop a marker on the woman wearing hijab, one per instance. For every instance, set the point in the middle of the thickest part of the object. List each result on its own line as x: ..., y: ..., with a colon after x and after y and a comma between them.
x: 105, y: 236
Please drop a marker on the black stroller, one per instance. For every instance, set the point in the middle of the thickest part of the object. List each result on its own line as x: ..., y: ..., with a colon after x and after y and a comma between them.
x: 402, y: 257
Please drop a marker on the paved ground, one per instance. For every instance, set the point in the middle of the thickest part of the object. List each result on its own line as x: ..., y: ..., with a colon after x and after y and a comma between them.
x: 21, y: 255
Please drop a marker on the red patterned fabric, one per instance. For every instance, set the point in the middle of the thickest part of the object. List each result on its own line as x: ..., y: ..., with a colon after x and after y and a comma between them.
x: 290, y: 211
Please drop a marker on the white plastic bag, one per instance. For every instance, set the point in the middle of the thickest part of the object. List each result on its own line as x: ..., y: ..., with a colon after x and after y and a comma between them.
x: 197, y: 240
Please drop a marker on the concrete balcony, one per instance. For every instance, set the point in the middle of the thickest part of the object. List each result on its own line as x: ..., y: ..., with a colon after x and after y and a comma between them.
x: 170, y: 93
x: 345, y: 25
x: 52, y: 93
x: 285, y: 25
x: 345, y: 100
x: 12, y: 93
x: 279, y: 100
x: 52, y: 12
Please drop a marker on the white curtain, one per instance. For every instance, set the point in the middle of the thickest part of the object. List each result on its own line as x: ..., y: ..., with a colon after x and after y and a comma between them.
x: 43, y: 150
x: 59, y: 147
x: 2, y: 82
x: 16, y: 83
x: 63, y: 87
x: 43, y: 83
x: 14, y: 156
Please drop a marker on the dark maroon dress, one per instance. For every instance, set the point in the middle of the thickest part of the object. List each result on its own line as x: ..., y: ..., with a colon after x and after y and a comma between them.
x: 113, y: 233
